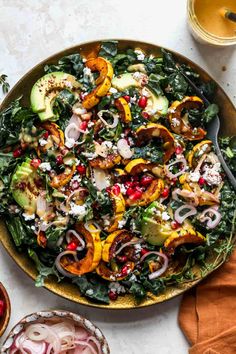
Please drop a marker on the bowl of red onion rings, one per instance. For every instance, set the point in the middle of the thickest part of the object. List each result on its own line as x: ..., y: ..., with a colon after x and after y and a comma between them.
x: 55, y: 332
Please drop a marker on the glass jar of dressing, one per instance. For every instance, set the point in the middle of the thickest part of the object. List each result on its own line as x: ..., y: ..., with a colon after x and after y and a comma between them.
x: 208, y: 23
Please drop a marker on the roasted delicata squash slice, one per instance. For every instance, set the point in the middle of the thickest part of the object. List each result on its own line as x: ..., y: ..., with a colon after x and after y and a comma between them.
x: 105, y: 163
x: 153, y: 130
x: 152, y: 193
x: 138, y: 165
x: 204, y: 147
x: 101, y: 65
x: 56, y: 136
x: 124, y: 110
x: 183, y: 236
x: 110, y: 246
x: 103, y: 81
x: 92, y: 257
x: 178, y: 118
x: 63, y: 178
x: 118, y: 202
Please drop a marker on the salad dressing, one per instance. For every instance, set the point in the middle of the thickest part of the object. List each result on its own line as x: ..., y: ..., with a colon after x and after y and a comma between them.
x: 210, y: 15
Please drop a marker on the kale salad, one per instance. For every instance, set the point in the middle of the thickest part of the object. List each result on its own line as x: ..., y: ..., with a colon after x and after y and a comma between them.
x: 108, y: 179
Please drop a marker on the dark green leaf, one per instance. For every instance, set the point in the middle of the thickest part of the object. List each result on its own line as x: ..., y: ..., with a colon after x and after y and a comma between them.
x: 93, y: 288
x: 108, y: 49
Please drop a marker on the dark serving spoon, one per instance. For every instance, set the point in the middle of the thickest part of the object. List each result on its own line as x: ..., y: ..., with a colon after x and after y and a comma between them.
x: 212, y: 129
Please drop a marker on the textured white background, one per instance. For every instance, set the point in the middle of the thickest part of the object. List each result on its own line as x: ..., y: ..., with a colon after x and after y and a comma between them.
x: 31, y: 30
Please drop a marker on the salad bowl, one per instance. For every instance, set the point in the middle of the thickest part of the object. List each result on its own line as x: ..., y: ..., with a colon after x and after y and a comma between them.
x: 65, y: 287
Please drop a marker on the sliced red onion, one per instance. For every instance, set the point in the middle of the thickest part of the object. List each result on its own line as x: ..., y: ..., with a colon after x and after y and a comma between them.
x: 87, y: 345
x: 115, y: 118
x: 130, y: 243
x: 191, y: 210
x: 124, y: 149
x: 160, y: 271
x: 27, y: 346
x: 58, y: 264
x: 79, y: 238
x: 42, y: 206
x: 185, y: 194
x: 101, y: 178
x: 96, y: 342
x: 173, y: 175
x: 72, y: 132
x: 88, y: 227
x: 212, y: 221
x: 74, y: 194
x: 81, y: 333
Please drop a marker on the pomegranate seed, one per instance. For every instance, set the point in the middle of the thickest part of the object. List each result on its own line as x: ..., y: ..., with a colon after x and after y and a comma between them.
x: 175, y: 225
x: 46, y: 134
x: 112, y: 295
x: 201, y: 181
x: 178, y: 150
x: 142, y: 102
x: 135, y: 178
x: 173, y: 181
x: 116, y: 189
x: 83, y: 125
x: 136, y: 195
x: 72, y: 246
x: 144, y: 251
x: 2, y: 308
x: 59, y: 160
x: 124, y: 270
x: 145, y: 115
x: 81, y: 169
x: 35, y: 163
x: 130, y: 191
x: 146, y: 180
x: 165, y: 192
x: 122, y: 259
x: 17, y: 153
x: 129, y: 184
x: 127, y: 98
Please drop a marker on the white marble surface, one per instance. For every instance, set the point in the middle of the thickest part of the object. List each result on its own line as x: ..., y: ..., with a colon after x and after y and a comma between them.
x: 31, y: 30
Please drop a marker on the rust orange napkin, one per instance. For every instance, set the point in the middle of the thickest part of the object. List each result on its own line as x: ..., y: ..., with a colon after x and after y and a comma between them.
x: 207, y: 313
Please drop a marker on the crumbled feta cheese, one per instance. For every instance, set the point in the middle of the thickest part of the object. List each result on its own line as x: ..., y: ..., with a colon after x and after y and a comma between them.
x: 89, y: 155
x: 123, y: 189
x: 43, y: 142
x: 45, y: 166
x: 194, y: 176
x: 68, y: 84
x: 70, y: 142
x: 78, y: 210
x: 87, y: 71
x: 33, y: 228
x: 133, y: 277
x: 140, y: 54
x: 76, y: 178
x: 84, y: 60
x: 113, y: 90
x: 137, y: 76
x: 117, y: 288
x: 28, y: 217
x: 90, y: 124
x: 145, y: 92
x: 108, y: 144
x: 165, y: 216
x: 79, y: 110
x: 212, y: 175
x: 121, y: 223
x: 89, y: 292
x: 137, y: 248
x: 133, y: 99
x: 175, y: 122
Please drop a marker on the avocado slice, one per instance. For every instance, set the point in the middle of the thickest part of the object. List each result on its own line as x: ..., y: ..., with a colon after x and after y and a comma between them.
x: 124, y: 81
x: 46, y: 89
x: 156, y: 105
x: 153, y: 229
x: 23, y: 187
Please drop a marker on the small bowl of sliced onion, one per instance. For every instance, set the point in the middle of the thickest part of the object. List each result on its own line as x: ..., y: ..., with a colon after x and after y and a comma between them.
x: 5, y: 309
x: 54, y: 332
